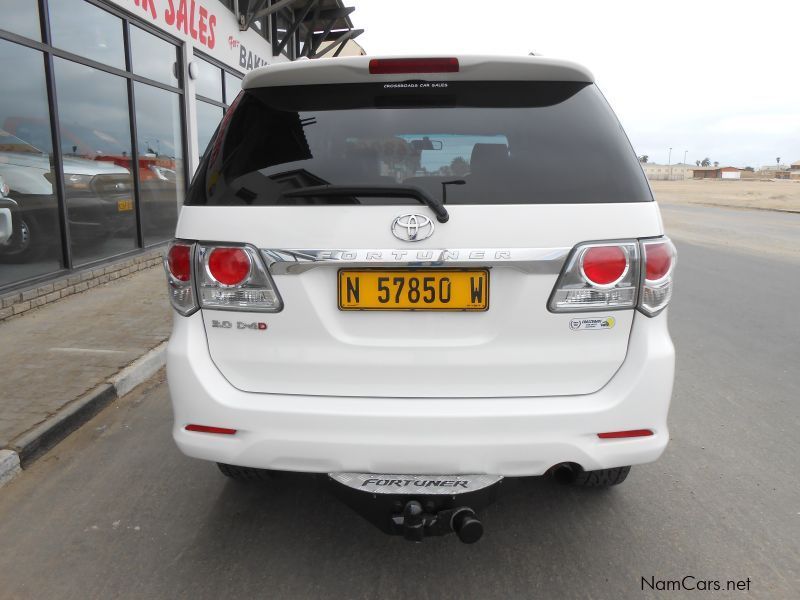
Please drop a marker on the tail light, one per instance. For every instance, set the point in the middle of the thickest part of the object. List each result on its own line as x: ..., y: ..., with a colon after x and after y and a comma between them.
x: 234, y: 278
x: 659, y: 259
x: 615, y: 276
x: 219, y: 277
x: 178, y: 265
x: 398, y: 66
x: 598, y: 276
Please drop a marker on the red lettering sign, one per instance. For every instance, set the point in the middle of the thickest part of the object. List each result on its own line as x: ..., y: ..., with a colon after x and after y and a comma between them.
x: 189, y: 17
x: 147, y: 4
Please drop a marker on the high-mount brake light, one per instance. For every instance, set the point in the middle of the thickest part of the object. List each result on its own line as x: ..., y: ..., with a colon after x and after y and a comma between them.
x: 178, y: 265
x: 604, y: 265
x: 398, y: 66
x: 229, y: 266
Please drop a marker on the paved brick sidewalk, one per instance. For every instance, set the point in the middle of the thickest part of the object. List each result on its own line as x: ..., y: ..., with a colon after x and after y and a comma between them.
x: 54, y: 355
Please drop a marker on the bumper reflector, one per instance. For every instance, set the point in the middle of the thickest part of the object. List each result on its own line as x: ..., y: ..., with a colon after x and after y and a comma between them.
x: 610, y: 435
x: 208, y: 429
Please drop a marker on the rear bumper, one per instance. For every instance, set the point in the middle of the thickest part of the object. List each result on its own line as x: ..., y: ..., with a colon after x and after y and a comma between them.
x: 501, y: 436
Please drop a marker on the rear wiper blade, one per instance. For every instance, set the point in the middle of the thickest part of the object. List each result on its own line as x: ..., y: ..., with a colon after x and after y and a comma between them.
x: 375, y: 191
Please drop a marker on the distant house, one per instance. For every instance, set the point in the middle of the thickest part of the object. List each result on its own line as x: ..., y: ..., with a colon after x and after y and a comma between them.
x: 678, y: 171
x: 795, y: 166
x: 780, y: 171
x: 717, y: 172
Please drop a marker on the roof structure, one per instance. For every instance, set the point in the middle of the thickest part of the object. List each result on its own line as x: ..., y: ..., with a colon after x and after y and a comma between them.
x: 321, y: 20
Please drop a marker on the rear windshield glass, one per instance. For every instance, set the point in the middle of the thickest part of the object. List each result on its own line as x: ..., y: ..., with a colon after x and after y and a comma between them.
x: 498, y: 143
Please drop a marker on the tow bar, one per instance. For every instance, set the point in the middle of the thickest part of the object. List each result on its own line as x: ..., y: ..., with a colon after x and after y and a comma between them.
x: 414, y: 524
x: 419, y: 506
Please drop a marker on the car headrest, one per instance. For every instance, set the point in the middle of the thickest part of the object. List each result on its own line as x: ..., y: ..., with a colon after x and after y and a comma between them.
x: 487, y: 157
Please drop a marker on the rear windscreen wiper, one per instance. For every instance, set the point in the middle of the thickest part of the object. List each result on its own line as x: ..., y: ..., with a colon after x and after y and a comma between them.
x: 375, y: 191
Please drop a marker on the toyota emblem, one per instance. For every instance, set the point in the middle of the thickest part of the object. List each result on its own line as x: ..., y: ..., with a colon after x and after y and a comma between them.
x: 412, y: 228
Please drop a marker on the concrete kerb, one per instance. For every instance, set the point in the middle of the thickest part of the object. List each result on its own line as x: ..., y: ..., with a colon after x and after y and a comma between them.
x: 25, y: 448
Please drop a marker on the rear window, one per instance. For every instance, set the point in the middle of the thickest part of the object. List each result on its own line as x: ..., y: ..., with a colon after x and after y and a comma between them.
x: 503, y: 143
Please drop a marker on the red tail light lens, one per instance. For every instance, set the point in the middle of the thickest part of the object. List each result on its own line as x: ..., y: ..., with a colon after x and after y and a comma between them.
x: 624, y: 434
x: 658, y: 260
x: 209, y: 429
x: 229, y: 266
x: 604, y: 265
x: 396, y: 66
x: 179, y: 262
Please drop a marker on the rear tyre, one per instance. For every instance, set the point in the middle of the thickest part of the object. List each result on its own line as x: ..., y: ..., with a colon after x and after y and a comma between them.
x: 247, y: 474
x: 601, y: 478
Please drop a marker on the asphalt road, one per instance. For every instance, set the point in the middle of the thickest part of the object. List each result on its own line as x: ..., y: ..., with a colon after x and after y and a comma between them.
x: 117, y: 511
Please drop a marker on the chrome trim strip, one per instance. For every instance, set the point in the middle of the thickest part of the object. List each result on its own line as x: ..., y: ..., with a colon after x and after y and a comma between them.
x: 282, y: 261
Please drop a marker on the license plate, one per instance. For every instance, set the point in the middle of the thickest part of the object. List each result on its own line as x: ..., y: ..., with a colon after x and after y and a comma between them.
x: 414, y: 290
x: 124, y: 205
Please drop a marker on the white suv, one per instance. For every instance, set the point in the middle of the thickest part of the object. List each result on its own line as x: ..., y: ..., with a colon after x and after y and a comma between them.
x: 420, y: 275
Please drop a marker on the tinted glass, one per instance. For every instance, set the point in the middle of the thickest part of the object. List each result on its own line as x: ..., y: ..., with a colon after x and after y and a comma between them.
x: 22, y: 17
x: 96, y: 145
x: 208, y: 117
x: 87, y: 30
x: 512, y: 143
x: 209, y: 80
x: 233, y: 86
x: 153, y: 57
x: 26, y: 167
x: 159, y: 137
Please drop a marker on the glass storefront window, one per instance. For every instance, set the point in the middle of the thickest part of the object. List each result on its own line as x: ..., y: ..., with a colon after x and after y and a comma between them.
x: 153, y: 57
x: 209, y: 80
x: 208, y: 117
x: 96, y: 147
x: 22, y: 17
x: 158, y: 133
x: 26, y: 167
x: 232, y: 87
x: 88, y: 31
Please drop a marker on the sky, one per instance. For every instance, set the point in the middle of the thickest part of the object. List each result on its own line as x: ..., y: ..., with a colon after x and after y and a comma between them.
x: 717, y: 79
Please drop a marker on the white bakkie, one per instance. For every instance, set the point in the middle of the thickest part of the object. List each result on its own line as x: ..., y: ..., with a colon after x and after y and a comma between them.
x: 420, y: 275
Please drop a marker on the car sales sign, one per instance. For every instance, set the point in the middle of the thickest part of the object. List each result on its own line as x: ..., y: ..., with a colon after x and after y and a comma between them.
x: 209, y: 26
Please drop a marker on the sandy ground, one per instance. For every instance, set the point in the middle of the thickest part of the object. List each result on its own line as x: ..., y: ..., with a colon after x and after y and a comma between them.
x: 771, y: 195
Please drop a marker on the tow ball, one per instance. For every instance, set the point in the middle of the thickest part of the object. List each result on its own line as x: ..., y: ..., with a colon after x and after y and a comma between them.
x: 414, y: 524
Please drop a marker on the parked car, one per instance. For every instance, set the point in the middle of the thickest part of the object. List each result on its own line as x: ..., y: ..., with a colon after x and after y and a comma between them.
x: 419, y: 276
x: 99, y: 197
x: 159, y: 173
x: 7, y: 209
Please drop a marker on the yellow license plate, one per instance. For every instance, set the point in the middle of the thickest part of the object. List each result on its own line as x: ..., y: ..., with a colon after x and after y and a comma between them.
x: 413, y: 290
x: 124, y: 205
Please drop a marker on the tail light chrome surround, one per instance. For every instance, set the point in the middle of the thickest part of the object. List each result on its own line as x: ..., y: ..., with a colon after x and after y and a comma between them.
x: 255, y: 292
x: 574, y: 291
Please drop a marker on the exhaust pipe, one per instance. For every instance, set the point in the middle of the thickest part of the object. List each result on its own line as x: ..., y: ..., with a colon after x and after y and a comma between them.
x: 565, y: 473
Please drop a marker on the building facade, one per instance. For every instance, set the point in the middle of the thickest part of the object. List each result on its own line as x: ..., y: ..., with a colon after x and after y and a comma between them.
x: 107, y: 106
x: 655, y: 171
x: 717, y: 173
